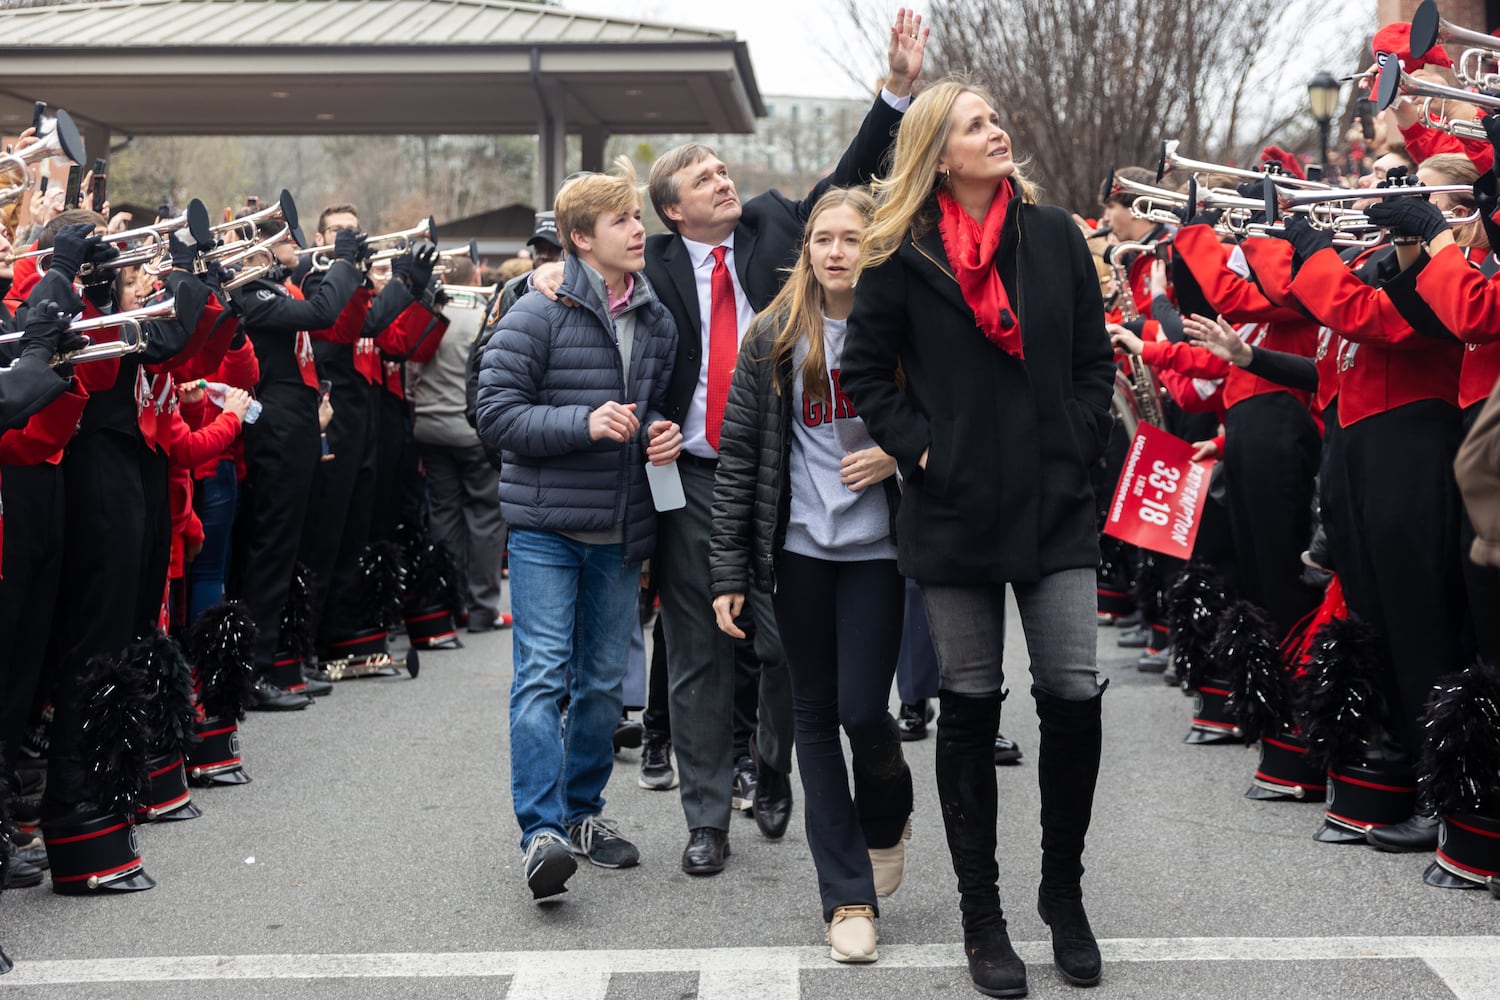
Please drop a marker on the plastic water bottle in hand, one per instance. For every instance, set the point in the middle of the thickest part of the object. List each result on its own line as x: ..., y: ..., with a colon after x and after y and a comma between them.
x: 217, y: 393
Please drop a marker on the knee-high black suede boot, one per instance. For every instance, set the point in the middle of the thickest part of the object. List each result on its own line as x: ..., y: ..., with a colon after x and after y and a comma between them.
x: 966, y: 790
x: 1067, y: 769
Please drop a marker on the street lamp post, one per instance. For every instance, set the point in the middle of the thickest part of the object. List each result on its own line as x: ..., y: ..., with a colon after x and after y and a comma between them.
x: 1323, y: 98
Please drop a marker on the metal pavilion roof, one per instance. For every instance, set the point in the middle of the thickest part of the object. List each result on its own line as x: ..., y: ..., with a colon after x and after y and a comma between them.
x: 187, y: 23
x: 251, y: 67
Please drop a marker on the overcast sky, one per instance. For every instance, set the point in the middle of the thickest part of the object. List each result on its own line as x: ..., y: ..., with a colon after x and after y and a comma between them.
x: 785, y: 38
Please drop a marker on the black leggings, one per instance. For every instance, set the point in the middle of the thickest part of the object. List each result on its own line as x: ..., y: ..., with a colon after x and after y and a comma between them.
x: 840, y: 628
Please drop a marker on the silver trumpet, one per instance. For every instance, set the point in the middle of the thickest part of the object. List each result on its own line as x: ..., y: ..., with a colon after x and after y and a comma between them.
x: 132, y: 340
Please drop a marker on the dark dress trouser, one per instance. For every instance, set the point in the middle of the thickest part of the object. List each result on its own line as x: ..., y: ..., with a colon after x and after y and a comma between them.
x: 701, y: 662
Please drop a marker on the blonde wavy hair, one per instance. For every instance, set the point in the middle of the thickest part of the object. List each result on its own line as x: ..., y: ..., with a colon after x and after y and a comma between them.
x: 913, y: 177
x: 798, y: 307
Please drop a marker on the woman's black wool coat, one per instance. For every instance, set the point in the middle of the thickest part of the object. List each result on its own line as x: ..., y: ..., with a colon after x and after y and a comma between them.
x: 1005, y: 495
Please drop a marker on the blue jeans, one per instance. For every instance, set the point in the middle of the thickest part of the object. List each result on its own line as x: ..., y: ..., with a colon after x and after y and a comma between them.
x: 574, y: 607
x: 215, y: 500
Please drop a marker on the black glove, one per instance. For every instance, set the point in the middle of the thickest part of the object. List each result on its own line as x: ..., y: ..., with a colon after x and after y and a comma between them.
x: 71, y: 248
x: 214, y: 275
x: 183, y: 252
x: 1251, y: 189
x: 101, y: 256
x: 347, y: 244
x: 423, y: 256
x: 401, y: 269
x: 1408, y: 217
x: 1207, y: 217
x: 46, y: 328
x: 1305, y: 238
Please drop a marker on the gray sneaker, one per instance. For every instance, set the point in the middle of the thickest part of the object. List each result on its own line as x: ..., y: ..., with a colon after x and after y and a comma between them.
x: 599, y: 840
x: 549, y: 865
x: 657, y: 773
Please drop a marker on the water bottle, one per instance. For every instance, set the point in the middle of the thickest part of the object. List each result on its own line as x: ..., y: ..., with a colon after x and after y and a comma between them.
x: 217, y: 392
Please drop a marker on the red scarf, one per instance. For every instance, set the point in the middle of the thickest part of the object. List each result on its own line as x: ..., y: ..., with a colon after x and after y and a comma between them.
x: 971, y: 251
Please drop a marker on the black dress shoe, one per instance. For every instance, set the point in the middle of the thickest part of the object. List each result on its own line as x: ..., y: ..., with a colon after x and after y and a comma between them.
x: 267, y: 697
x: 705, y: 852
x: 773, y: 799
x: 1007, y: 751
x: 1133, y: 638
x: 913, y: 720
x: 1419, y: 833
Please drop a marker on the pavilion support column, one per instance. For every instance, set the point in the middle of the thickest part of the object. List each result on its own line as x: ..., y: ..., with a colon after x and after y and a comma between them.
x: 551, y: 135
x: 552, y: 157
x: 593, y: 137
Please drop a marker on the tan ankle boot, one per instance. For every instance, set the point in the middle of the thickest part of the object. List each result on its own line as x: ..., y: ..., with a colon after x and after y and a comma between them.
x: 888, y: 864
x: 851, y: 935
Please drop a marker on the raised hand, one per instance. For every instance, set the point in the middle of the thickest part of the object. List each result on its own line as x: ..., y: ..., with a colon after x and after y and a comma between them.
x: 907, y: 48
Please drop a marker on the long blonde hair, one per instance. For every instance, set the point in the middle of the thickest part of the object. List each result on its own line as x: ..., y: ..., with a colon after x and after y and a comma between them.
x: 900, y: 195
x: 1456, y: 168
x: 798, y: 307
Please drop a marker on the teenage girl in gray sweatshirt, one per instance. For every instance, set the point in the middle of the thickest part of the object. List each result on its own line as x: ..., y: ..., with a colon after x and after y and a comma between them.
x: 803, y: 503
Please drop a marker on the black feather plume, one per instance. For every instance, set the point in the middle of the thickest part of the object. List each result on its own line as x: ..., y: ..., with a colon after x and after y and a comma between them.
x: 1245, y: 652
x: 430, y: 577
x: 173, y: 711
x: 1460, y: 762
x: 381, y: 583
x: 296, y: 615
x: 1341, y: 707
x: 223, y: 648
x: 116, y: 744
x: 1195, y: 603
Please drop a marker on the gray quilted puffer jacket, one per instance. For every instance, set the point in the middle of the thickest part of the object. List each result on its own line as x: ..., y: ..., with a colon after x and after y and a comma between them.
x: 547, y: 367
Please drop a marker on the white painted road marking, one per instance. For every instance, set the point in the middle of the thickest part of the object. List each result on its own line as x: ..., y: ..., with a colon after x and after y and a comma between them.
x: 1470, y: 965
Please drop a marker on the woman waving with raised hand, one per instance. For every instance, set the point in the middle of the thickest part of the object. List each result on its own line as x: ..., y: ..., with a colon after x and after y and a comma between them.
x: 803, y: 504
x: 988, y: 304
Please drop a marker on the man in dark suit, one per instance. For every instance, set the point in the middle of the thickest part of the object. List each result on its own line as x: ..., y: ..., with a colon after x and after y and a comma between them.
x: 722, y: 263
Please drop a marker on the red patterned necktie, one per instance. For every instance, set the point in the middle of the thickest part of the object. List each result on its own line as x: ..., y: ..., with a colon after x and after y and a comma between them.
x: 723, y: 344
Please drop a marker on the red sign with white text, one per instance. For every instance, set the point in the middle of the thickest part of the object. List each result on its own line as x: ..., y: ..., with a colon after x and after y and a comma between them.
x: 1159, y: 500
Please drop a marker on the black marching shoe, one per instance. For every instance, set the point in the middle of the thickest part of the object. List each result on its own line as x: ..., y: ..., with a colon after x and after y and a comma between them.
x: 773, y: 799
x: 1007, y: 751
x: 1419, y: 833
x: 705, y: 852
x: 267, y: 697
x: 912, y: 721
x: 317, y: 682
x: 1133, y: 638
x: 21, y: 874
x: 1153, y: 662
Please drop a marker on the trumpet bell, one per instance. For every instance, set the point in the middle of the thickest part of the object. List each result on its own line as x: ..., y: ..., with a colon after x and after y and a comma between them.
x: 69, y: 139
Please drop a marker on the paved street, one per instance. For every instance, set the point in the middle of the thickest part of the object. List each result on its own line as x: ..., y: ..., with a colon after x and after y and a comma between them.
x: 375, y: 856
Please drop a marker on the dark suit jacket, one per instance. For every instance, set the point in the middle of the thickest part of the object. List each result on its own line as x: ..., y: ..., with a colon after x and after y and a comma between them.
x: 766, y: 243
